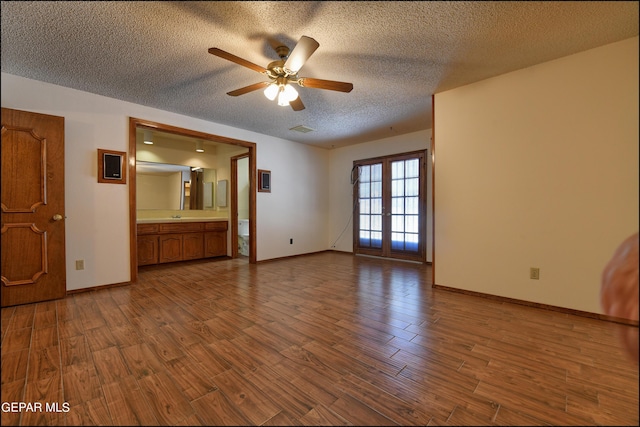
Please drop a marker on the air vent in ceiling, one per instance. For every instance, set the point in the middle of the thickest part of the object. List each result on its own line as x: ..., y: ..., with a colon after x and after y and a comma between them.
x: 302, y: 129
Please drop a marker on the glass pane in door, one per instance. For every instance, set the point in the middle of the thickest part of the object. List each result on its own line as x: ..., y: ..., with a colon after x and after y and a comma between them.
x: 405, y: 192
x: 370, y: 206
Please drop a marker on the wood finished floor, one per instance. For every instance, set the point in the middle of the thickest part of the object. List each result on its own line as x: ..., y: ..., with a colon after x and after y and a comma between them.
x: 323, y: 339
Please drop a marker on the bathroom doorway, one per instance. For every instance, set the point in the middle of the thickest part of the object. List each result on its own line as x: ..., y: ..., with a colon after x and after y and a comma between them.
x: 240, y: 184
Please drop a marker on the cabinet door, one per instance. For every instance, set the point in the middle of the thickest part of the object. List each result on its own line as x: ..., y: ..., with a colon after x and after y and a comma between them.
x: 147, y: 250
x: 215, y: 243
x: 170, y: 248
x: 192, y: 246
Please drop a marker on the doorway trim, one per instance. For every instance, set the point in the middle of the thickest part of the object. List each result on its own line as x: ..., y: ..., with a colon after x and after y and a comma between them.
x: 135, y: 123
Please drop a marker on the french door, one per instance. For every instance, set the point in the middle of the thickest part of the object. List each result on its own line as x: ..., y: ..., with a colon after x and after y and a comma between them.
x: 390, y: 206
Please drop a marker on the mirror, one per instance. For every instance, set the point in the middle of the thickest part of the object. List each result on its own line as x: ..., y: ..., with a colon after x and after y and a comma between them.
x: 163, y: 186
x: 176, y: 173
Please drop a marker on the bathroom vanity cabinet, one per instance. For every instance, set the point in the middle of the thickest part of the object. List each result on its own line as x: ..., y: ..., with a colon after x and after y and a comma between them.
x: 163, y: 242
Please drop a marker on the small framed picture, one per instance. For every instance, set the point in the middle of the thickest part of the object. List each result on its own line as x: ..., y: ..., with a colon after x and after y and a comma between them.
x: 264, y: 181
x: 111, y: 166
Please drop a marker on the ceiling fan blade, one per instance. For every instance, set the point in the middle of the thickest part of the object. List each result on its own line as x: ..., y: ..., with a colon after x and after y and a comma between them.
x: 325, y: 84
x: 297, y: 104
x: 230, y: 57
x: 248, y: 89
x: 299, y: 55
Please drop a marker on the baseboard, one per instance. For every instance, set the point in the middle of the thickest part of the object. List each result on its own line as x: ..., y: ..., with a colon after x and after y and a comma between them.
x: 628, y: 322
x: 335, y: 251
x: 293, y: 256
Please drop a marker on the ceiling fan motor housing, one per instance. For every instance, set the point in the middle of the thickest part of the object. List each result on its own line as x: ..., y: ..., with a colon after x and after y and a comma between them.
x: 276, y: 70
x: 282, y: 51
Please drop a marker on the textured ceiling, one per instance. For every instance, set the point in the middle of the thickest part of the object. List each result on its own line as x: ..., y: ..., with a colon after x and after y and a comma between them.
x: 396, y: 54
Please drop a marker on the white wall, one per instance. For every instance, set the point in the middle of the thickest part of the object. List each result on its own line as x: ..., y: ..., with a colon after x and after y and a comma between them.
x: 340, y: 235
x: 296, y: 207
x: 97, y: 223
x: 538, y: 168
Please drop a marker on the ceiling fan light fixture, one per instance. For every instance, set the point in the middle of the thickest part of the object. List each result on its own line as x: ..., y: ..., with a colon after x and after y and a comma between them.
x: 147, y: 138
x: 271, y: 91
x: 199, y: 146
x: 283, y: 100
x: 290, y: 92
x: 286, y: 94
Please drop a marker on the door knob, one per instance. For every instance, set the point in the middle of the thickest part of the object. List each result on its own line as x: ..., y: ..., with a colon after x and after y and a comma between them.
x: 57, y: 217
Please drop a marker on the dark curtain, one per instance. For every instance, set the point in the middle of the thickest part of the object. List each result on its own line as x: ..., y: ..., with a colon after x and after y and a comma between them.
x: 197, y: 190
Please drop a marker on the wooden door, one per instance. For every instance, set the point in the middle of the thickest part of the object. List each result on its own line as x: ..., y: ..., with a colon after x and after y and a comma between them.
x: 390, y: 201
x: 33, y: 241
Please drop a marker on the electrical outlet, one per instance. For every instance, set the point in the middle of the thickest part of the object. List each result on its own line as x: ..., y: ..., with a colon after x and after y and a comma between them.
x: 534, y: 273
x: 79, y: 264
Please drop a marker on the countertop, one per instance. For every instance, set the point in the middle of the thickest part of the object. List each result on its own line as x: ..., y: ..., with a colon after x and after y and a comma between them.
x: 164, y: 220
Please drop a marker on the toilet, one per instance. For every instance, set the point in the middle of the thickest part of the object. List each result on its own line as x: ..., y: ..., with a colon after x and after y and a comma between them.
x: 243, y: 236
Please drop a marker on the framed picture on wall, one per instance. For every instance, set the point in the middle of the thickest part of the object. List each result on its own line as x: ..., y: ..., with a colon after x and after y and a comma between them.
x: 111, y: 166
x: 264, y: 181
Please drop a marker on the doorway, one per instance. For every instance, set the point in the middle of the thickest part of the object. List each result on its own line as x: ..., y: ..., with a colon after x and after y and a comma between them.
x: 134, y: 125
x: 240, y: 190
x: 390, y: 201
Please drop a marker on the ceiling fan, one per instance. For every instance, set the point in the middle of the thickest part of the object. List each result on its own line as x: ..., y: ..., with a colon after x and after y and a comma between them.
x: 283, y: 73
